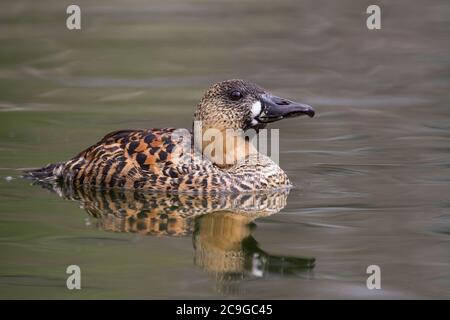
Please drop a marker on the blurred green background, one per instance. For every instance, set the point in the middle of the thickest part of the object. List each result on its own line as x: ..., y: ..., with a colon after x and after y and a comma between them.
x: 371, y: 169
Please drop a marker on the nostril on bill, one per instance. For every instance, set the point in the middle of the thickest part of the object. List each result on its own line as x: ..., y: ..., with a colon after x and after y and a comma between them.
x: 283, y: 102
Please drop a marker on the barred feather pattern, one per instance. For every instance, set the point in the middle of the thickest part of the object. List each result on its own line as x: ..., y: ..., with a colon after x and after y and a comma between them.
x: 161, y: 160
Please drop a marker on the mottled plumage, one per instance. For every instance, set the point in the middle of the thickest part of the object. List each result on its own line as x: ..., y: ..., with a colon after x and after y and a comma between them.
x: 169, y: 160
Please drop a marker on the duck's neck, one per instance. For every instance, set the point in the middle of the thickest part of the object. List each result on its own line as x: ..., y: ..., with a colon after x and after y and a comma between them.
x: 225, y: 147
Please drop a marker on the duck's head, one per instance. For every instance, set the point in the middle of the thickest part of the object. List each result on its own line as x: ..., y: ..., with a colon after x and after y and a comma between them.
x: 238, y: 104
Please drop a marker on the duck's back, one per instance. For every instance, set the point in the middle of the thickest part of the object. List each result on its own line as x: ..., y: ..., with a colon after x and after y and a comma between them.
x: 147, y: 158
x: 160, y: 160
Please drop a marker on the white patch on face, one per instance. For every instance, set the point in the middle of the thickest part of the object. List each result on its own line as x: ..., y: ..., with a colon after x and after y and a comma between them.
x: 256, y: 109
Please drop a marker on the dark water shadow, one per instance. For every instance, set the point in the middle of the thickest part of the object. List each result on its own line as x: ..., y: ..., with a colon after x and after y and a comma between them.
x: 221, y: 228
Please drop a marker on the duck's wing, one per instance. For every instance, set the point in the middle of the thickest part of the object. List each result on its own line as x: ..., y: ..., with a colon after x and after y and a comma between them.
x: 131, y: 158
x: 145, y: 147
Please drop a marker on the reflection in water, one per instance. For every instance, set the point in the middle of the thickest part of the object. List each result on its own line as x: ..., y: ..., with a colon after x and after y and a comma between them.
x: 221, y: 227
x: 224, y: 246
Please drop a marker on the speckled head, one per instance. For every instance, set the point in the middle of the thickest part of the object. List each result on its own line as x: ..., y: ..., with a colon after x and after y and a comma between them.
x: 238, y: 104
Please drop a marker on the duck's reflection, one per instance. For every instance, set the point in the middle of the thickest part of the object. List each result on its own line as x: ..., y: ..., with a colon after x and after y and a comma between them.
x: 221, y: 227
x: 224, y: 246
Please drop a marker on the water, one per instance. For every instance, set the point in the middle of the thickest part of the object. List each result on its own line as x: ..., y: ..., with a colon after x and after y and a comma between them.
x: 371, y: 169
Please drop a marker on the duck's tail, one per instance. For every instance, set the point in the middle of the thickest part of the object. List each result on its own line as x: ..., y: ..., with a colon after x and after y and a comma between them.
x: 47, y: 173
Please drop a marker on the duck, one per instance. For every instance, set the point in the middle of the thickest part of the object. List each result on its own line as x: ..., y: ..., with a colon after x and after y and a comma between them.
x: 182, y: 160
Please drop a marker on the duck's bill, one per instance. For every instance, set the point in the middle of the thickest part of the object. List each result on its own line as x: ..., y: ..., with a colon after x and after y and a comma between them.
x: 275, y: 108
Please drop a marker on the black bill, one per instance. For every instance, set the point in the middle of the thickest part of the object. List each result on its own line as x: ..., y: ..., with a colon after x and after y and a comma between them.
x: 275, y: 108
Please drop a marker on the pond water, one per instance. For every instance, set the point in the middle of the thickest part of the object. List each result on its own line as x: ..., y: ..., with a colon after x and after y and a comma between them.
x: 371, y: 170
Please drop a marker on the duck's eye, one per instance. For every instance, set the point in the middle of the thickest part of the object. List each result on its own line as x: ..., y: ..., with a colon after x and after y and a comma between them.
x: 235, y: 95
